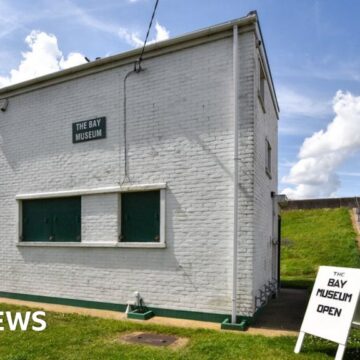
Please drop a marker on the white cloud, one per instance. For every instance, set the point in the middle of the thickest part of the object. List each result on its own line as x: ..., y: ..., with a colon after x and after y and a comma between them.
x: 314, y: 175
x: 131, y: 38
x: 294, y: 104
x: 289, y: 127
x: 84, y: 17
x: 73, y: 59
x: 287, y: 163
x: 349, y: 173
x: 44, y: 57
x: 326, y: 67
x: 11, y: 19
x: 161, y: 33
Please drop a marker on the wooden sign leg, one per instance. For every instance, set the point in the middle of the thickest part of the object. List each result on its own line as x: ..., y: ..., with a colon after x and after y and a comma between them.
x: 340, y: 352
x: 299, y: 342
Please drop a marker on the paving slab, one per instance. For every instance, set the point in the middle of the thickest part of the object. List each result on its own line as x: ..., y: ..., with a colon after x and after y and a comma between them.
x: 286, y: 312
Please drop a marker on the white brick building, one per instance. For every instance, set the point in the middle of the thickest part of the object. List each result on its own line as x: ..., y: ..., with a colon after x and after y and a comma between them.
x: 178, y: 130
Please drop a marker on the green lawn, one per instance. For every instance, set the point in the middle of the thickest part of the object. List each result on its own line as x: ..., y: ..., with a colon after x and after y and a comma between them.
x: 315, y: 237
x: 310, y: 238
x: 76, y: 337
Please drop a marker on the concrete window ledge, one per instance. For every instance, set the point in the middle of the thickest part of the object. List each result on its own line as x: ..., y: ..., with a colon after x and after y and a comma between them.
x: 80, y: 192
x: 95, y: 244
x: 136, y: 245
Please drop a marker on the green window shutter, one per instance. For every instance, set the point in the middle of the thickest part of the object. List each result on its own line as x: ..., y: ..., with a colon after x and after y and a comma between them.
x: 140, y: 216
x: 36, y: 221
x: 66, y: 219
x: 56, y: 219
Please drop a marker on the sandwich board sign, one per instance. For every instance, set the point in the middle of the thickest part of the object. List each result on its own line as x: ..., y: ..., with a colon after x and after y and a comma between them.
x: 332, y: 305
x: 356, y: 321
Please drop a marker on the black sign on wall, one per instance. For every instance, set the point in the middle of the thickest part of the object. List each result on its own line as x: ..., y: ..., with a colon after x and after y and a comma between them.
x: 89, y: 130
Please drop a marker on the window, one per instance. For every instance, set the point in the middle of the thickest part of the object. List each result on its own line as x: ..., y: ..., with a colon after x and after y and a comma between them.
x: 56, y: 219
x: 262, y: 81
x: 267, y: 158
x: 140, y: 216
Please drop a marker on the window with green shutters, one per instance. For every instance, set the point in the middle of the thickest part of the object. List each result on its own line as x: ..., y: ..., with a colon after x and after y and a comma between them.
x: 57, y: 219
x: 140, y: 216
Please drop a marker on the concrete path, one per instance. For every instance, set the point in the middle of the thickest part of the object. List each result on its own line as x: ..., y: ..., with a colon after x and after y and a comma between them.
x: 155, y: 320
x: 284, y: 313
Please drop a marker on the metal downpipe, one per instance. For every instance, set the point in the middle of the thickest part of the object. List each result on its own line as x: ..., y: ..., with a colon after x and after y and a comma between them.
x: 236, y: 171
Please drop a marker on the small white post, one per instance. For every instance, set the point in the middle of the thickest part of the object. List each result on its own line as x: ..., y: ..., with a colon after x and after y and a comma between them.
x: 340, y: 352
x: 299, y: 342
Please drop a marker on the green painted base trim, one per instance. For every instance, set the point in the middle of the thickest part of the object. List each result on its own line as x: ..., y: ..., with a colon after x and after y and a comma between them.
x: 186, y: 314
x: 178, y: 314
x: 140, y: 316
x: 64, y: 301
x: 258, y: 312
x: 241, y: 326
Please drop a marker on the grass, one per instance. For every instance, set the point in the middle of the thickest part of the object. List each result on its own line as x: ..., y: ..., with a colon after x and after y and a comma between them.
x: 310, y: 238
x: 77, y: 337
x: 315, y: 237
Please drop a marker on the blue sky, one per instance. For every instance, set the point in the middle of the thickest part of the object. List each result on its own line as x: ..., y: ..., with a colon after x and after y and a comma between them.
x: 313, y: 48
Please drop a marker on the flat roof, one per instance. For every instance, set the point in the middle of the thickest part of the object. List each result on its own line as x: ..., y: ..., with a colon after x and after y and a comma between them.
x: 153, y: 50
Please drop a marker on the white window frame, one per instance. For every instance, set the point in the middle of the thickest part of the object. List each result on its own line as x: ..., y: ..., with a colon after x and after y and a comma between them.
x: 268, y: 155
x: 105, y: 190
x: 158, y: 244
x: 262, y: 84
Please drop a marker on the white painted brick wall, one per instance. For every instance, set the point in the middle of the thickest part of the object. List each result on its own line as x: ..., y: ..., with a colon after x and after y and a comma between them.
x: 180, y: 115
x: 100, y: 218
x: 246, y: 174
x: 266, y: 126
